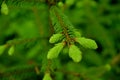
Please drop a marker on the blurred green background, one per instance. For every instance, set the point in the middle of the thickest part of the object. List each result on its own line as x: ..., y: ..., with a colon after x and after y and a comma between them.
x: 27, y: 28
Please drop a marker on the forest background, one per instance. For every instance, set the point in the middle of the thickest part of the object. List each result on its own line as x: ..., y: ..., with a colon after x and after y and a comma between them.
x: 27, y: 29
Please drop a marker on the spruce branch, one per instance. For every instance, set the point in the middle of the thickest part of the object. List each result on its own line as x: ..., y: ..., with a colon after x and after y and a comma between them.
x: 63, y: 27
x: 11, y: 44
x: 65, y: 31
x: 23, y: 3
x: 23, y: 41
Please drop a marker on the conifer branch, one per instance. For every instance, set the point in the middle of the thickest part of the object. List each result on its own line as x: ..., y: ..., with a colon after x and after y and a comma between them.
x: 23, y: 3
x: 23, y: 41
x: 65, y: 31
x: 63, y: 26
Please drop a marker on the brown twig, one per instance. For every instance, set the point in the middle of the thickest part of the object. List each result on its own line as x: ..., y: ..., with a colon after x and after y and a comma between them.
x: 65, y: 31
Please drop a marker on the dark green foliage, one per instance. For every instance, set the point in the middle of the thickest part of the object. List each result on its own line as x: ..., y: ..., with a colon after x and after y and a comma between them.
x: 74, y: 27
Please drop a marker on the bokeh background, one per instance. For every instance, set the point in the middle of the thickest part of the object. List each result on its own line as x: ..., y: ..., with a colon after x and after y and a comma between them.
x: 27, y: 28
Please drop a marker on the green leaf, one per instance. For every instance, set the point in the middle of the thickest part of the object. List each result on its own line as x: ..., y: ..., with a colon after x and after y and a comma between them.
x: 47, y: 76
x: 77, y: 34
x: 55, y: 38
x: 75, y: 53
x: 2, y: 49
x: 54, y: 52
x: 11, y: 50
x: 4, y: 8
x: 87, y: 43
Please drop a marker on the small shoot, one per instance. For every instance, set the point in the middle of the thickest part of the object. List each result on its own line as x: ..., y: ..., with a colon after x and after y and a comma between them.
x: 55, y: 38
x: 47, y: 76
x: 87, y: 43
x: 54, y: 52
x: 4, y: 8
x: 75, y: 53
x: 11, y: 50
